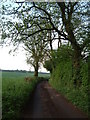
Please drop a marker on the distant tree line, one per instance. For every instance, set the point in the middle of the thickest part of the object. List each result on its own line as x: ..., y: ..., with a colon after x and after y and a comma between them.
x: 24, y: 71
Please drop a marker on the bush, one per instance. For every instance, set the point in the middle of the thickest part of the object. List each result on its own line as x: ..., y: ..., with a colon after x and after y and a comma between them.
x: 61, y: 80
x: 62, y: 77
x: 15, y: 94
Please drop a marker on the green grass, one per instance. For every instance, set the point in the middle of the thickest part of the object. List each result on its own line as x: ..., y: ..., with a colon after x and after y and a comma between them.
x: 15, y: 92
x: 13, y: 75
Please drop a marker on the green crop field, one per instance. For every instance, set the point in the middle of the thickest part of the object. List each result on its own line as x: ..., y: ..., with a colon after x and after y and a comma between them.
x: 15, y: 92
x: 15, y: 74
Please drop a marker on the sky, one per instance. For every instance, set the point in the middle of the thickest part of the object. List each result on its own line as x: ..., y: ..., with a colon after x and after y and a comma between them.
x: 15, y: 61
x: 11, y: 61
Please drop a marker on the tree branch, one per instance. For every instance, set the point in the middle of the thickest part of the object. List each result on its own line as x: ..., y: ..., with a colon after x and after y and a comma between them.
x: 14, y: 12
x: 35, y: 32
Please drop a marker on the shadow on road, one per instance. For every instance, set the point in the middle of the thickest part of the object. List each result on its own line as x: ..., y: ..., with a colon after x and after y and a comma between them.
x: 45, y: 102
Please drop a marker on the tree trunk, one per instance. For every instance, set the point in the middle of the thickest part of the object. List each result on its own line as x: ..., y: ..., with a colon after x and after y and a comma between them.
x: 36, y: 70
x: 66, y: 19
x: 76, y: 68
x: 50, y: 38
x: 51, y: 45
x: 76, y: 57
x: 59, y: 41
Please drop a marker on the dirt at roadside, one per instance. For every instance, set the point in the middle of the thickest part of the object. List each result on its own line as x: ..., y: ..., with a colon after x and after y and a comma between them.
x: 47, y: 103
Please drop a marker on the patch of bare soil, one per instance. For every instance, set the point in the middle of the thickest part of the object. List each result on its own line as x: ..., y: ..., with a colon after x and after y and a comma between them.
x: 45, y: 102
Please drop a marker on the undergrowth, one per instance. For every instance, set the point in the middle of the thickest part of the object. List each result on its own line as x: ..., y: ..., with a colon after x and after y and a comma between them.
x: 61, y: 80
x: 14, y: 95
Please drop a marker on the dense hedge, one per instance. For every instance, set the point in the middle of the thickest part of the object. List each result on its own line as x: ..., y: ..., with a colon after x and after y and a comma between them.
x: 61, y: 80
x: 62, y: 76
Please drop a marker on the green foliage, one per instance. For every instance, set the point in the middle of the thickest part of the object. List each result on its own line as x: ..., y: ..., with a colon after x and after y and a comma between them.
x: 62, y: 81
x: 64, y: 53
x: 48, y: 65
x: 36, y: 50
x: 61, y: 75
x: 15, y: 92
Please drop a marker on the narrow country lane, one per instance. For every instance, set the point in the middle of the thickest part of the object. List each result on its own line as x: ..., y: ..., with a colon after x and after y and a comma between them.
x: 47, y: 103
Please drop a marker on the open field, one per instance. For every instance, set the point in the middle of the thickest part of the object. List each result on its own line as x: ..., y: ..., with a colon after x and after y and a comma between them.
x: 13, y: 74
x: 15, y: 92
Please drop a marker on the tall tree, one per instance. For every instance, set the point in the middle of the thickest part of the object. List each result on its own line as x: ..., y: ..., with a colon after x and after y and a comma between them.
x: 37, y: 51
x: 43, y: 17
x: 73, y: 21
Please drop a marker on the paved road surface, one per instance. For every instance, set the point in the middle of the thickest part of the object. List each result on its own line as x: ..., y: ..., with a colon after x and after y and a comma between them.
x: 47, y: 103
